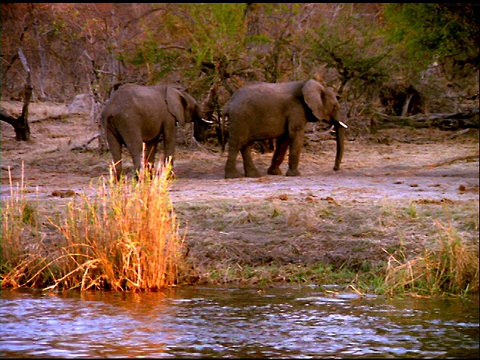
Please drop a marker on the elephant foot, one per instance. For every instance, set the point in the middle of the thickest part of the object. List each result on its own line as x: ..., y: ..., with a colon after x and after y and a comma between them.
x: 291, y: 172
x: 253, y: 174
x: 274, y: 171
x: 232, y: 174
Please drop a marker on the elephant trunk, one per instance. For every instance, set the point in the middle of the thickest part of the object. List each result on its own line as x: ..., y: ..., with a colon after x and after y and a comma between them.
x: 340, y: 137
x: 200, y: 127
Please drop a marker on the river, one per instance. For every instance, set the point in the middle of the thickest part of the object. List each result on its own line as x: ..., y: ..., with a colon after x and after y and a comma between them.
x: 199, y: 322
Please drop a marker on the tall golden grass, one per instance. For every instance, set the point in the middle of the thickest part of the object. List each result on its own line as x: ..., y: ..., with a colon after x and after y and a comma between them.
x: 123, y: 236
x: 450, y: 265
x: 20, y: 234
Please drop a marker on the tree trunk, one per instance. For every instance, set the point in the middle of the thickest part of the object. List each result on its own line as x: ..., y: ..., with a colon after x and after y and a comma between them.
x: 41, y: 52
x: 20, y: 125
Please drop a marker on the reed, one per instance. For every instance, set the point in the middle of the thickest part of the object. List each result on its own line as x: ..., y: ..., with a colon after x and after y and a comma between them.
x: 123, y: 236
x: 21, y: 235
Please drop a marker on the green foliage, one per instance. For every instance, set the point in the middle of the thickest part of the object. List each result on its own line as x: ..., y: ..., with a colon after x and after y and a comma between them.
x: 222, y: 47
x: 412, y: 211
x: 197, y: 43
x: 151, y: 55
x: 353, y: 48
x: 259, y: 39
x: 428, y: 32
x: 214, y: 30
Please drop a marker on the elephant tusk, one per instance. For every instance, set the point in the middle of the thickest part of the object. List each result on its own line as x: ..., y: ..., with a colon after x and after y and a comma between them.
x: 343, y: 124
x: 335, y: 121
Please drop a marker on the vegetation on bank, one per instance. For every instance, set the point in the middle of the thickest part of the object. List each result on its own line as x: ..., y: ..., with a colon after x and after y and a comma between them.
x: 124, y: 237
x: 424, y: 248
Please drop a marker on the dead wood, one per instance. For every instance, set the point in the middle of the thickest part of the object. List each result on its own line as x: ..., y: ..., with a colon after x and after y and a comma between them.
x: 84, y: 146
x: 452, y: 160
x: 459, y: 133
x: 48, y: 118
x: 454, y: 121
x: 20, y: 124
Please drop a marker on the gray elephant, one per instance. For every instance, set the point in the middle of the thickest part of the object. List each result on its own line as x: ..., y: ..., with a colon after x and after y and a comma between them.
x: 278, y: 111
x: 137, y: 114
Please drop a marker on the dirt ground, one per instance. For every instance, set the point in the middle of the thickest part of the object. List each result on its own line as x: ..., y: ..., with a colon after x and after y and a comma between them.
x: 272, y: 218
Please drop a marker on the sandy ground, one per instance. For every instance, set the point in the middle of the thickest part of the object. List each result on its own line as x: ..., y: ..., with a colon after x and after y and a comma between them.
x: 402, y: 164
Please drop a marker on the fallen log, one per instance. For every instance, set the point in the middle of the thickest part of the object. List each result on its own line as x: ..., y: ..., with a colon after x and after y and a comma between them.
x: 452, y: 160
x: 454, y: 121
x: 84, y: 147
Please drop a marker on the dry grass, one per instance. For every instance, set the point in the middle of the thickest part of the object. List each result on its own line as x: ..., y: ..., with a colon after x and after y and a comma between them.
x: 20, y: 231
x: 123, y: 237
x: 289, y: 240
x: 126, y: 236
x: 449, y: 264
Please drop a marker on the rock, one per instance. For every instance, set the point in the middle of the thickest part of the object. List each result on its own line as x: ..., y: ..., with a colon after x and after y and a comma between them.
x: 81, y: 104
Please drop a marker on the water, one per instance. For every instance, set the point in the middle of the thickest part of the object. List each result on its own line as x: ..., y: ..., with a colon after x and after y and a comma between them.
x: 196, y: 322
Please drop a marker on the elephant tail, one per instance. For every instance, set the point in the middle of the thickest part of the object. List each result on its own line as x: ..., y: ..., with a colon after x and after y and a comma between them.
x: 223, y: 126
x: 103, y: 117
x: 225, y: 111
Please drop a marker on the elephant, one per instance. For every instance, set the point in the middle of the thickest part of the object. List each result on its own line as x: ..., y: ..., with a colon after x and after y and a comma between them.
x: 263, y: 111
x: 137, y: 114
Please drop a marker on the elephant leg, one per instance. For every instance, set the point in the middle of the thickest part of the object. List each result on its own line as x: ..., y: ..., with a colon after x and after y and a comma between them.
x: 135, y: 149
x: 279, y: 155
x: 248, y: 165
x: 296, y: 145
x: 169, y: 141
x: 340, y: 137
x: 116, y: 150
x: 149, y: 156
x: 231, y: 164
x: 169, y: 146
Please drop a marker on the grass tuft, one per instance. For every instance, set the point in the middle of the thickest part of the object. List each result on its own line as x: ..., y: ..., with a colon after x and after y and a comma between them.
x: 124, y: 236
x: 449, y: 265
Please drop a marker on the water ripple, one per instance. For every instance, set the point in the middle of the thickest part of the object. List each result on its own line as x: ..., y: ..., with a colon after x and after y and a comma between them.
x: 209, y: 322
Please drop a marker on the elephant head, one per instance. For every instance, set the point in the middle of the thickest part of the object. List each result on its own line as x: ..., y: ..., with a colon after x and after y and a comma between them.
x: 185, y: 109
x: 323, y: 103
x: 280, y: 111
x: 136, y: 115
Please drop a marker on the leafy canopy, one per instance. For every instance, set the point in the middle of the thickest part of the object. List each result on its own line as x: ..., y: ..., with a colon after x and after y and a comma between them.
x: 427, y: 32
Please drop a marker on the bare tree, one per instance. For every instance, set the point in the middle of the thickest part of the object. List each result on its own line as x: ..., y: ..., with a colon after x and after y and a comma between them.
x: 20, y: 124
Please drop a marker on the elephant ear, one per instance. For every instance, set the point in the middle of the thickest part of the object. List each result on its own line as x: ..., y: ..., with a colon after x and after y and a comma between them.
x: 176, y: 104
x: 314, y: 95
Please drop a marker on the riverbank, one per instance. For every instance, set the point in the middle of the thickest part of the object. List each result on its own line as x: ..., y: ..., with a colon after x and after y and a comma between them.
x: 398, y: 193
